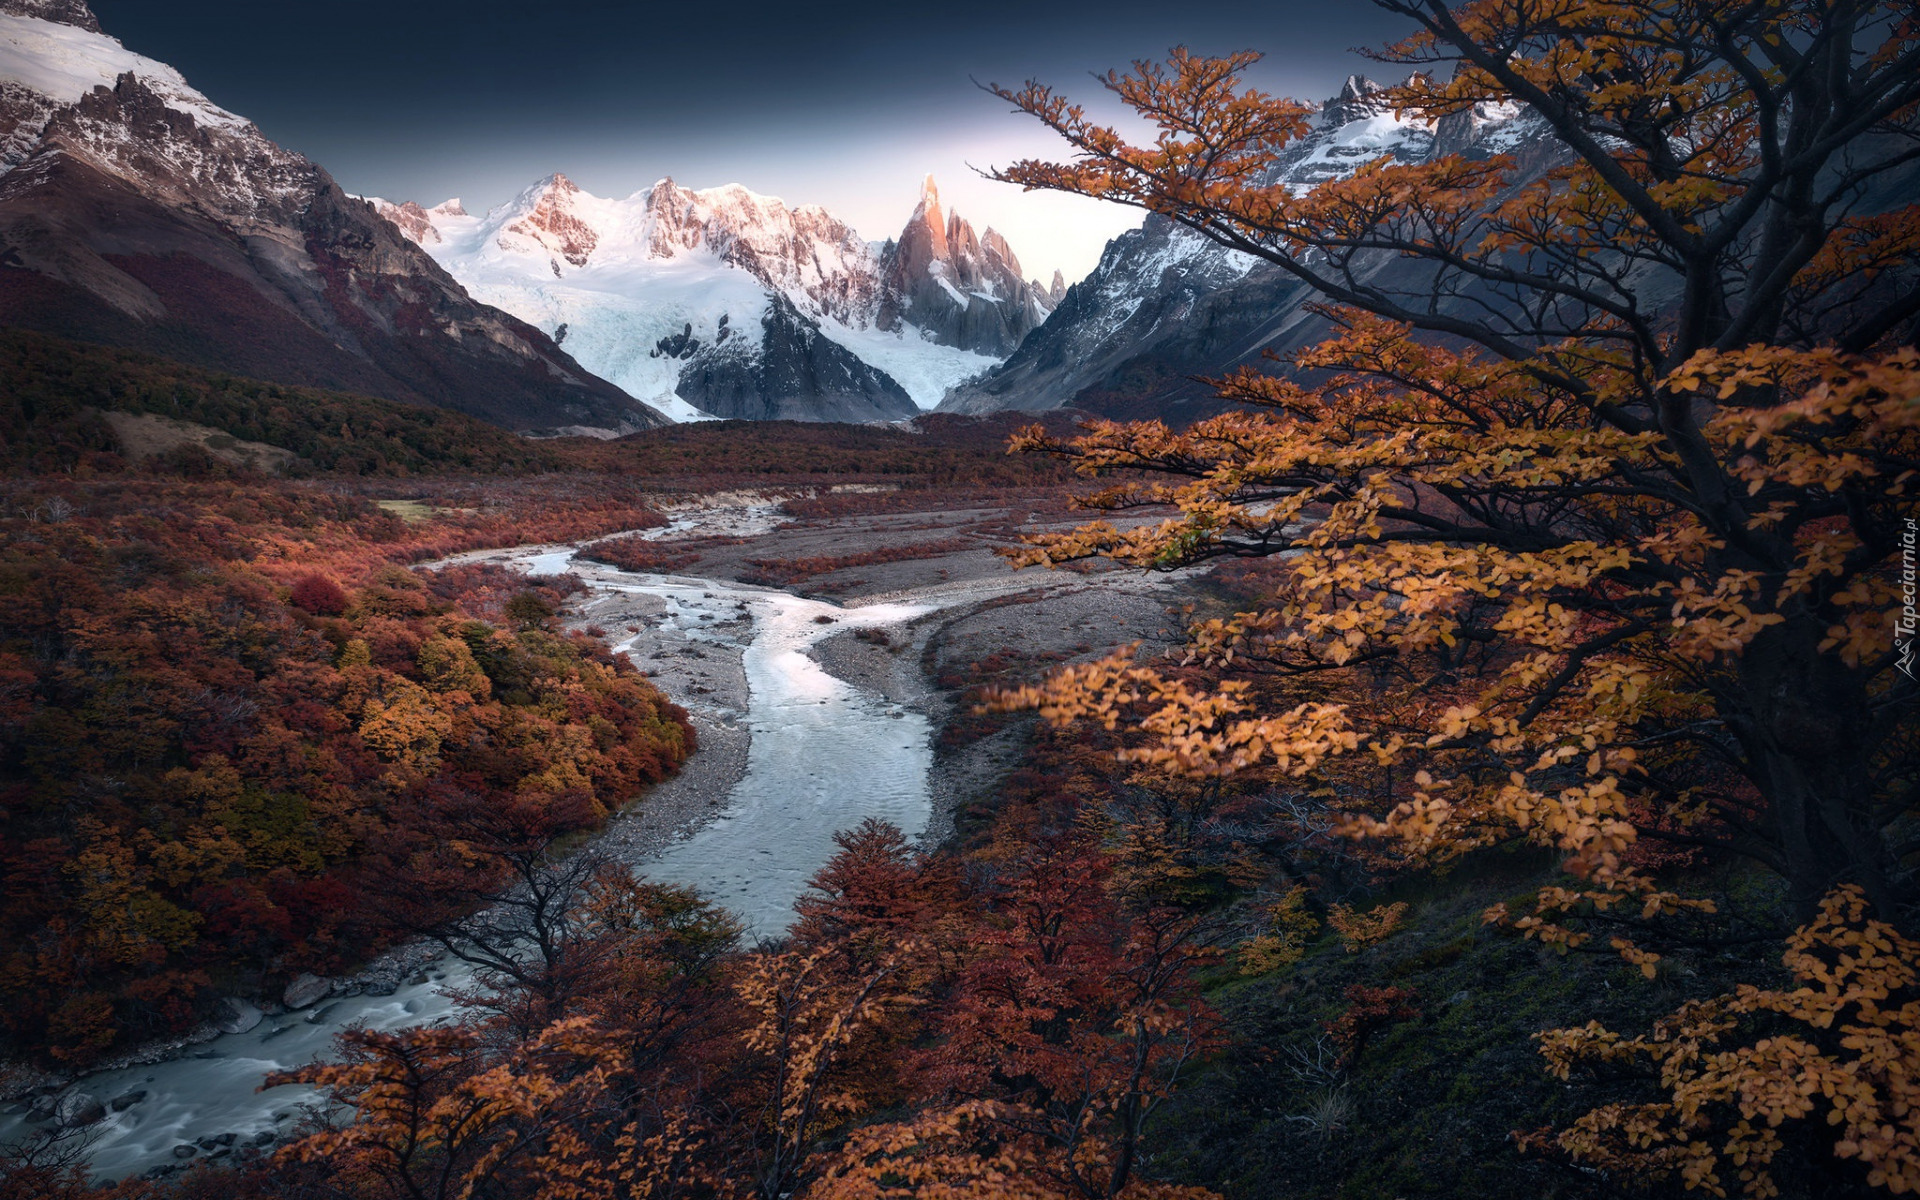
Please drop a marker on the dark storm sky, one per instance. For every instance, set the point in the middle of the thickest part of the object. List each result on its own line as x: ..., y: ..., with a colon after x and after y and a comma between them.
x: 846, y: 105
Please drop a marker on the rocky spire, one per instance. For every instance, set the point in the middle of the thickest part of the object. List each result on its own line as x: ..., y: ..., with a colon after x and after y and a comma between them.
x: 963, y: 288
x: 1357, y: 98
x: 61, y: 12
x: 1057, y: 290
x: 996, y: 247
x: 553, y: 224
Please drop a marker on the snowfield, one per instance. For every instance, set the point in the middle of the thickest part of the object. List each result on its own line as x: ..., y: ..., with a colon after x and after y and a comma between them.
x: 613, y: 280
x: 922, y: 366
x: 65, y: 62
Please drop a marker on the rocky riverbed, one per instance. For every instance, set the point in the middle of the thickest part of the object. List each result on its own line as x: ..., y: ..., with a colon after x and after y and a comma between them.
x: 846, y: 692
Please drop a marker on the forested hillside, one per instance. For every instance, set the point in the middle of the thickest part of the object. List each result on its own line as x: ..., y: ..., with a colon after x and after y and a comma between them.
x: 232, y: 720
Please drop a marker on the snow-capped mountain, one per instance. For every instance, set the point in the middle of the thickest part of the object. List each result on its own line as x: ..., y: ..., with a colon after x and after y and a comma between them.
x: 1166, y: 305
x: 959, y: 289
x: 728, y: 303
x: 135, y: 211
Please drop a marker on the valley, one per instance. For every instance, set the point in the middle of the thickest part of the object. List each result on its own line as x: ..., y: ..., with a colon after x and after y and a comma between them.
x: 1326, y: 624
x: 811, y: 715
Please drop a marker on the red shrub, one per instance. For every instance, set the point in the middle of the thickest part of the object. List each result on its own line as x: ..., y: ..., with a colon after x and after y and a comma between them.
x: 319, y: 595
x: 1370, y: 1009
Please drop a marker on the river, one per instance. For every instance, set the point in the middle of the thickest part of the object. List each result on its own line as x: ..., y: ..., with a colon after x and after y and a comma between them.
x: 823, y: 755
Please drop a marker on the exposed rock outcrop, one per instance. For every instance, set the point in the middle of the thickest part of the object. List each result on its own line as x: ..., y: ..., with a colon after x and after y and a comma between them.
x: 78, y: 1109
x: 233, y: 1015
x: 305, y: 991
x: 792, y: 373
x: 134, y: 211
x: 60, y: 12
x: 963, y: 290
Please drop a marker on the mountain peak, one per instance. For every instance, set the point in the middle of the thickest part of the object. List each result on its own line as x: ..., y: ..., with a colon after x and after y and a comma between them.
x: 1357, y: 86
x: 552, y: 223
x: 961, y: 288
x: 60, y: 12
x: 131, y: 165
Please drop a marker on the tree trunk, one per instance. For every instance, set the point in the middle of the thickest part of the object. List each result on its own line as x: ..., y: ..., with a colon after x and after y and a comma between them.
x: 1805, y: 722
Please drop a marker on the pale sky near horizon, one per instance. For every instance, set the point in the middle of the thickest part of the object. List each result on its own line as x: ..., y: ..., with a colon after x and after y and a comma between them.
x: 847, y: 105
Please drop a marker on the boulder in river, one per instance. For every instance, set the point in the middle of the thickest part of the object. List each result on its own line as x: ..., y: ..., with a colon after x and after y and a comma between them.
x: 127, y: 1100
x: 77, y: 1108
x: 233, y: 1015
x: 305, y: 991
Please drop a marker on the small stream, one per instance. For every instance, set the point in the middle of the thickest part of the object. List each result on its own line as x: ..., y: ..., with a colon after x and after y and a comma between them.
x: 823, y: 756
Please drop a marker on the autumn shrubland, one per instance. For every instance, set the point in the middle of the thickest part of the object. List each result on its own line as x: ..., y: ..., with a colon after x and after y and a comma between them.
x: 232, y: 706
x: 778, y: 572
x: 1529, y: 810
x: 232, y: 721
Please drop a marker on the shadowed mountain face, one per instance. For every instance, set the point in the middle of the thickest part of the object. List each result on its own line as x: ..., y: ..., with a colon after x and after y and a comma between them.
x: 962, y: 289
x: 1166, y: 305
x: 135, y: 212
x: 792, y: 372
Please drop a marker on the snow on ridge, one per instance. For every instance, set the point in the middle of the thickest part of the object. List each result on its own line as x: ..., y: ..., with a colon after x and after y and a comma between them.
x: 925, y: 368
x: 631, y: 286
x: 65, y: 62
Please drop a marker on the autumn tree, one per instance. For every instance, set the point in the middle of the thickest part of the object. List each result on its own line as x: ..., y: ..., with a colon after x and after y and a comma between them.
x: 1593, y: 504
x: 589, y: 1102
x: 1069, y: 1023
x: 1761, y: 1083
x: 1592, y: 509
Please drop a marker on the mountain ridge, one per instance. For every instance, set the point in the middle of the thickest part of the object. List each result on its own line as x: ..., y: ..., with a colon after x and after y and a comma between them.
x: 1165, y: 307
x: 135, y: 212
x: 662, y: 291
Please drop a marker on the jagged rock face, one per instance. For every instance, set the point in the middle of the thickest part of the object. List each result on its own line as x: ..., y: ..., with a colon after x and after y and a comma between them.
x: 553, y: 224
x: 1152, y: 284
x: 1166, y: 305
x: 964, y: 290
x: 134, y: 211
x: 805, y: 251
x: 793, y: 373
x: 624, y: 277
x: 961, y: 289
x: 413, y: 221
x: 60, y: 12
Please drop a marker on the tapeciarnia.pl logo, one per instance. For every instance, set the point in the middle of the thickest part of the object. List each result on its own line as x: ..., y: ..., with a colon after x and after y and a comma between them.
x: 1905, y: 624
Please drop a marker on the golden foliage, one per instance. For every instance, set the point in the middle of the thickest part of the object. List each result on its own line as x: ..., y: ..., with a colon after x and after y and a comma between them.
x: 1833, y: 1057
x: 1290, y: 928
x: 1359, y: 930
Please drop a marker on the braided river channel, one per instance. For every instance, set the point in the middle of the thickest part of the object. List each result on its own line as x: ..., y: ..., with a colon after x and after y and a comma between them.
x: 823, y: 755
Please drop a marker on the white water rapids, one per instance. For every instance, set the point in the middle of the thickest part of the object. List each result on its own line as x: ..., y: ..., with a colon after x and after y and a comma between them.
x: 823, y: 756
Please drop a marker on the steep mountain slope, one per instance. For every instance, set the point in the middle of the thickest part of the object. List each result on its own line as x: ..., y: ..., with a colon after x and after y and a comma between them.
x: 730, y: 303
x: 1165, y: 305
x: 134, y: 211
x: 962, y: 290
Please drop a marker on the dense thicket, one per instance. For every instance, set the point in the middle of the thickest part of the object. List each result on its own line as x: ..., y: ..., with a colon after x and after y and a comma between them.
x: 53, y: 391
x: 226, y: 714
